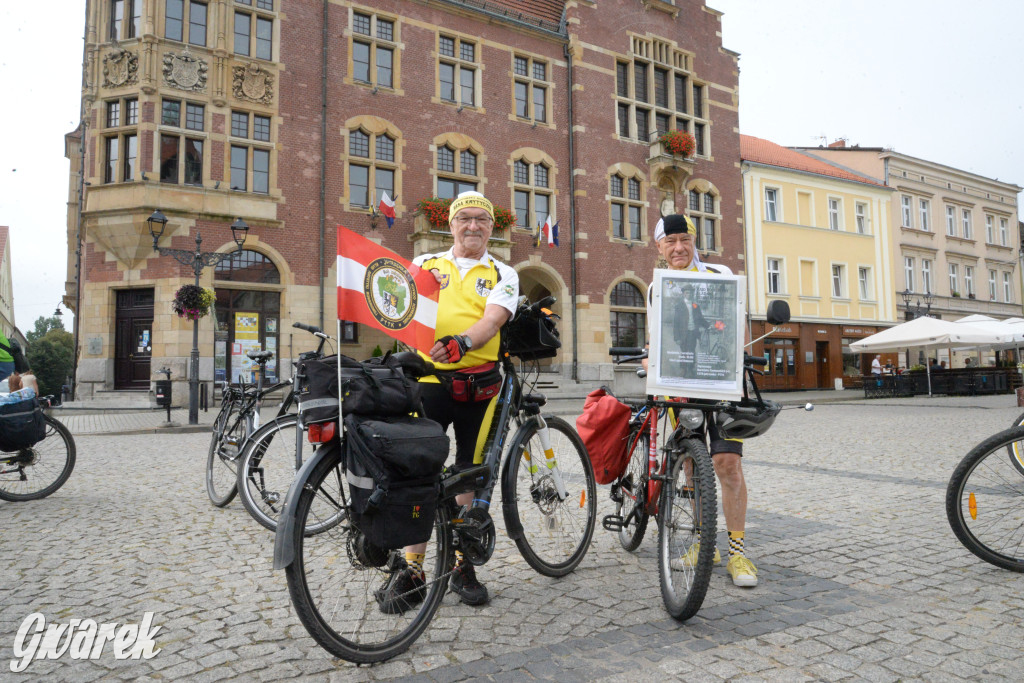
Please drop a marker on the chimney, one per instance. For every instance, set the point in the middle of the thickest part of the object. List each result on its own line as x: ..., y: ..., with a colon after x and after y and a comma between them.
x: 838, y: 144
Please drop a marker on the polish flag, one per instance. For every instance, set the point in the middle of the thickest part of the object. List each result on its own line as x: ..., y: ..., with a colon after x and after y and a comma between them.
x: 379, y: 288
x: 387, y: 207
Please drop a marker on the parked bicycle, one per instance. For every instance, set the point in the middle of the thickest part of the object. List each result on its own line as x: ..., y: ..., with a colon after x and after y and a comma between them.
x: 38, y: 470
x: 985, y: 500
x: 675, y: 483
x: 547, y: 492
x: 238, y: 419
x: 274, y: 452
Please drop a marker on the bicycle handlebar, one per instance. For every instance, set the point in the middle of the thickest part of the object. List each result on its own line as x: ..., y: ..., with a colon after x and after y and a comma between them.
x: 312, y: 329
x: 543, y: 303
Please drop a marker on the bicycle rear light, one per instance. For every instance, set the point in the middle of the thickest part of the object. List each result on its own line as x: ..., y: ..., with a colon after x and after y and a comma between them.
x: 321, y: 433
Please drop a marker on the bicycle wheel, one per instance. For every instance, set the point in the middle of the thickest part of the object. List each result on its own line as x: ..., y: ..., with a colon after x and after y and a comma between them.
x: 335, y: 575
x: 221, y: 461
x: 555, y: 534
x: 1016, y: 449
x: 984, y: 501
x: 687, y: 514
x: 631, y: 502
x: 36, y: 472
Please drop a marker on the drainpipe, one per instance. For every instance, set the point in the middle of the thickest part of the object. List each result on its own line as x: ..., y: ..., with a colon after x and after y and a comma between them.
x: 81, y: 208
x: 323, y: 157
x: 573, y: 290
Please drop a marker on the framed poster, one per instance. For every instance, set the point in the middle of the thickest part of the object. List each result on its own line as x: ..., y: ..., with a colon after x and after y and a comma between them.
x: 697, y: 326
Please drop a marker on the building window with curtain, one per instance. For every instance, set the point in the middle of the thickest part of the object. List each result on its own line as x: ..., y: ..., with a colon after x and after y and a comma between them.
x: 125, y: 20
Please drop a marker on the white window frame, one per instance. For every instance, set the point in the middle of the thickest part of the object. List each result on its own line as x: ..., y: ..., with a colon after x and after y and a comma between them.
x: 1007, y: 290
x: 951, y: 221
x: 908, y: 272
x: 924, y: 207
x: 968, y: 281
x: 907, y: 211
x: 839, y: 288
x: 965, y: 222
x: 774, y: 274
x: 991, y: 285
x: 990, y: 229
x: 771, y: 204
x: 864, y: 283
x: 926, y: 275
x: 834, y: 213
x: 860, y: 210
x: 1003, y: 231
x: 954, y: 279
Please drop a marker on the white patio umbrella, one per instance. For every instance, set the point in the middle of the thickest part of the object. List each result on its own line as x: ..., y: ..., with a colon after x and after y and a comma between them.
x: 927, y: 333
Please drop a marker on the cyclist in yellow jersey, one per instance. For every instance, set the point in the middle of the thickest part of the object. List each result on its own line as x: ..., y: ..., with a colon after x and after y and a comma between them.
x: 675, y: 236
x: 478, y: 295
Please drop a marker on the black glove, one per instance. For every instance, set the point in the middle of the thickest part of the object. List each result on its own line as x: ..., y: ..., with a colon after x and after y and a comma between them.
x: 456, y: 346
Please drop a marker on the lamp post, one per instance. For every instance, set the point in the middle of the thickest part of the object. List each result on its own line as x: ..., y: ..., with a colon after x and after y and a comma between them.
x: 198, y: 259
x: 916, y: 310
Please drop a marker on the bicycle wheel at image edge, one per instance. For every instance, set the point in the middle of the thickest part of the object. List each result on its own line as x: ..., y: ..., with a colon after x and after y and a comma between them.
x: 687, y: 514
x: 552, y: 535
x: 335, y: 575
x: 221, y: 478
x: 985, y: 500
x: 633, y: 491
x: 36, y: 472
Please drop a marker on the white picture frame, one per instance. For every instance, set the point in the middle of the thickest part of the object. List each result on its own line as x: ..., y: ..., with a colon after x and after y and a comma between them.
x: 697, y: 355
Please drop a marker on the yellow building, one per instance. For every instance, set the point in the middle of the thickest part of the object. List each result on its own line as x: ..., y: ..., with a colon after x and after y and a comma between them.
x: 817, y: 236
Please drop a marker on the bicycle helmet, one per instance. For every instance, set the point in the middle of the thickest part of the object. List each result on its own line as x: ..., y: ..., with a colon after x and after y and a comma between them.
x: 746, y: 425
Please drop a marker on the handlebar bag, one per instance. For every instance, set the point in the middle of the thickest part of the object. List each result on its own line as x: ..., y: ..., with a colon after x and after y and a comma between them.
x: 21, y: 424
x: 604, y: 426
x: 531, y: 335
x: 393, y: 468
x: 375, y: 387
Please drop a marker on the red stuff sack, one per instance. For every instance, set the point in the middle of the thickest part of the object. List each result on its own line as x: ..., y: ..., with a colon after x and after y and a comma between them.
x: 603, y: 426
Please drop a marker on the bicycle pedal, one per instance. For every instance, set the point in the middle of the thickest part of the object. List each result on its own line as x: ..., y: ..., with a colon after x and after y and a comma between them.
x: 613, y: 522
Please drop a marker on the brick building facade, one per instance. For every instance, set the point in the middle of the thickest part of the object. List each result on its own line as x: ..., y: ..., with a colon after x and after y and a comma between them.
x: 297, y: 115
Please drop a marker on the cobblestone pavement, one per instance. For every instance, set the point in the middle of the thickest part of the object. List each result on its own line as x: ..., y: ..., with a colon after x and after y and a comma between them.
x: 861, y: 577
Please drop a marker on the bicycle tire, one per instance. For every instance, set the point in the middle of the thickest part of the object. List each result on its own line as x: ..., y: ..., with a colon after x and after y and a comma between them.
x: 333, y: 590
x: 554, y: 534
x: 221, y: 475
x: 47, y: 463
x: 983, y: 501
x: 688, y: 512
x: 633, y: 493
x: 1016, y: 450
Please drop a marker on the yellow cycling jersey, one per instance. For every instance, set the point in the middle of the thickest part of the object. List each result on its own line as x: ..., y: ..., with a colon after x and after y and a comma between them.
x: 460, y: 304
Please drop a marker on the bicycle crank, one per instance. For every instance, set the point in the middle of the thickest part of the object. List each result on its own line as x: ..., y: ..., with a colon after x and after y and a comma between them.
x: 474, y: 531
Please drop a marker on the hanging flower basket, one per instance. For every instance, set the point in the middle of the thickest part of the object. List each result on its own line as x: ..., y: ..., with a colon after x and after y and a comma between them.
x: 678, y: 142
x: 435, y: 210
x: 192, y: 302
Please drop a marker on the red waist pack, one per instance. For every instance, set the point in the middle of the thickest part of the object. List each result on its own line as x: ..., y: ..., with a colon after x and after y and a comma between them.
x: 603, y: 426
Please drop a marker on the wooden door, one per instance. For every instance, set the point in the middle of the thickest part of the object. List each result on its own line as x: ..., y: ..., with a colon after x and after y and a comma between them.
x: 133, y: 338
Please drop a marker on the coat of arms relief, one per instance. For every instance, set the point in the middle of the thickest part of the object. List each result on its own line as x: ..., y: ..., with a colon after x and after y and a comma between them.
x: 120, y: 68
x: 185, y: 71
x: 253, y: 83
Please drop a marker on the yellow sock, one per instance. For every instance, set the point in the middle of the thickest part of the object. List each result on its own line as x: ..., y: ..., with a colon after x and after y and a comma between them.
x: 415, y: 561
x: 735, y: 543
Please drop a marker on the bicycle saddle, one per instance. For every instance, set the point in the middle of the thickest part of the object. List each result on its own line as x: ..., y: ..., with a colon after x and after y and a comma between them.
x: 413, y: 364
x: 260, y: 356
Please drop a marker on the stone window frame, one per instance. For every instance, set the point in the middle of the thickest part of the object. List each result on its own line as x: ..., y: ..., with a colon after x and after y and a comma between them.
x: 698, y: 192
x: 532, y: 83
x: 374, y: 127
x: 627, y: 200
x: 459, y: 64
x: 125, y: 130
x: 256, y: 15
x: 127, y: 26
x: 459, y: 144
x: 533, y: 158
x: 635, y: 310
x: 186, y: 29
x: 684, y: 94
x: 375, y: 41
x: 255, y: 148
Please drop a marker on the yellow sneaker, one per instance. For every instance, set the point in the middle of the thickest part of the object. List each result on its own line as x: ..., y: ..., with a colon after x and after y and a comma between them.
x: 689, y: 558
x: 742, y: 571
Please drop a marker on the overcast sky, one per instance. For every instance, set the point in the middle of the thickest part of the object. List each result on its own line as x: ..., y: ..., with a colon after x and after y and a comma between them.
x: 935, y: 79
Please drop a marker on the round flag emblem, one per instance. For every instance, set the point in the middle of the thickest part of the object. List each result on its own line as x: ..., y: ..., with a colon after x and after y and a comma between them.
x: 390, y: 293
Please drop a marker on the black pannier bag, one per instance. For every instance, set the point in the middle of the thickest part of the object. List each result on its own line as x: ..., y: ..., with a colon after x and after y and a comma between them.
x: 373, y: 387
x: 21, y: 425
x: 393, y: 468
x: 531, y: 335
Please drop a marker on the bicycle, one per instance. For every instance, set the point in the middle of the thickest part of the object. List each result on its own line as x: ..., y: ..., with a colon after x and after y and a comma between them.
x: 40, y: 470
x: 235, y: 423
x: 548, y: 506
x: 273, y: 453
x: 984, y: 500
x: 679, y: 488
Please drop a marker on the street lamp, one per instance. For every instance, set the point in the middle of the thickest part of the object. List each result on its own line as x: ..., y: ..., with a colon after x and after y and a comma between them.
x: 198, y: 259
x: 916, y: 310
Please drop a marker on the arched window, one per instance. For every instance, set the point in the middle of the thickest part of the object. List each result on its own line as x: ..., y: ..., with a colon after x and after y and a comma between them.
x: 628, y: 315
x: 456, y: 171
x: 248, y: 266
x: 371, y: 167
x: 533, y: 198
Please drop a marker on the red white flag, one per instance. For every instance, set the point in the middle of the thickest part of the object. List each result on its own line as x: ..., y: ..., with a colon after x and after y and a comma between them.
x: 387, y: 207
x: 379, y: 288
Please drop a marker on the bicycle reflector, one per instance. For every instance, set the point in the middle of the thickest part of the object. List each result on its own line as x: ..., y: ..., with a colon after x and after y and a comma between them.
x: 322, y: 432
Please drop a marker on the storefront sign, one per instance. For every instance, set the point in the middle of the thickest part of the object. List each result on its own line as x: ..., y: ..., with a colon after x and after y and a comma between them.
x: 858, y: 331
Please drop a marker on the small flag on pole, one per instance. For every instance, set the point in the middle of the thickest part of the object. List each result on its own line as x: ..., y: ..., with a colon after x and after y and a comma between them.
x: 536, y: 236
x: 553, y: 235
x: 387, y: 207
x: 379, y: 288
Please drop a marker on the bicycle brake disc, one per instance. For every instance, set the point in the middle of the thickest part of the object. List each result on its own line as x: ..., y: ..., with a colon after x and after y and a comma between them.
x: 476, y: 535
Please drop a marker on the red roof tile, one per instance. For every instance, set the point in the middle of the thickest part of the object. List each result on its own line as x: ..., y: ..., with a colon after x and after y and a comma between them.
x: 766, y: 152
x: 531, y: 11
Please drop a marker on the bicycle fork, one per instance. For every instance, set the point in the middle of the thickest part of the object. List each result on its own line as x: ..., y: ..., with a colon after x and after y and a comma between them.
x: 549, y: 458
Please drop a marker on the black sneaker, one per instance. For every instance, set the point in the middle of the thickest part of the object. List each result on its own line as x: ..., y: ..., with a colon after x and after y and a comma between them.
x: 464, y: 584
x: 403, y: 591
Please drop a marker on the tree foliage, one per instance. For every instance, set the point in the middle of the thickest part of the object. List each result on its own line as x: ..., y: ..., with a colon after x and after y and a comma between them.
x: 52, y: 359
x: 42, y: 326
